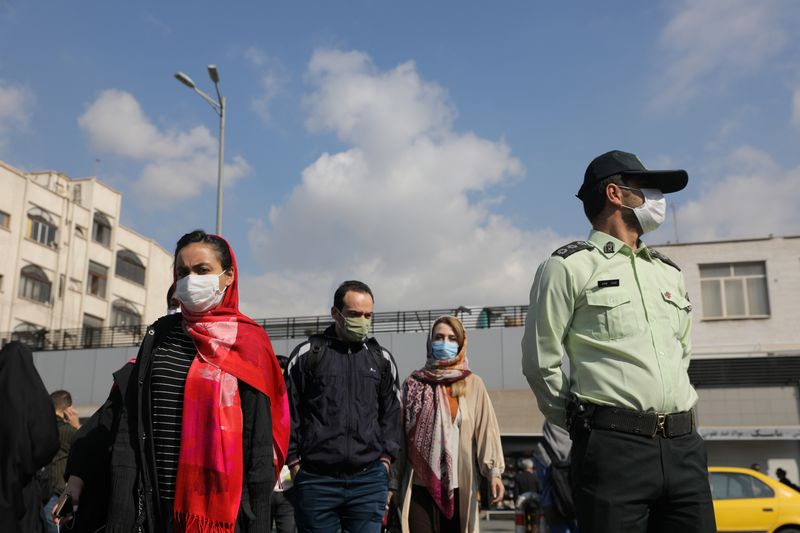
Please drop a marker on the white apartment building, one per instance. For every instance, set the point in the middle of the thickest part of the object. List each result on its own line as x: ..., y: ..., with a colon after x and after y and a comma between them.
x: 66, y: 263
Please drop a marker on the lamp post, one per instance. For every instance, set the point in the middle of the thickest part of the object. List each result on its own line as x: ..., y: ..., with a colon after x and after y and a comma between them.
x: 218, y: 106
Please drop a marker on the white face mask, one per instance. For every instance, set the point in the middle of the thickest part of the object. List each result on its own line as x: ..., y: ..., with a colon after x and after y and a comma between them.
x: 651, y: 213
x: 199, y: 293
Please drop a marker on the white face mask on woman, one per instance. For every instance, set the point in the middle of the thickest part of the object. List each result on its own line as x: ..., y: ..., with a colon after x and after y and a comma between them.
x: 651, y: 213
x: 199, y: 293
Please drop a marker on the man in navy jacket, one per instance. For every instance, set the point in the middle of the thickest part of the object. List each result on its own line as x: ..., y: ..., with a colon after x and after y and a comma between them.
x: 346, y: 428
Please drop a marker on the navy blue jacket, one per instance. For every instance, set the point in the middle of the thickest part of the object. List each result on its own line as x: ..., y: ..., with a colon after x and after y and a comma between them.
x: 345, y: 406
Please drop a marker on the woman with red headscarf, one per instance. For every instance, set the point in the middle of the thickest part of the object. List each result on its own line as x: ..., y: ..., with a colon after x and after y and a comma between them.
x: 195, y: 430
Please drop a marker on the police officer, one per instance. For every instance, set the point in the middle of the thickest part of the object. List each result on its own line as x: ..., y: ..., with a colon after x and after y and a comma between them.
x: 620, y: 311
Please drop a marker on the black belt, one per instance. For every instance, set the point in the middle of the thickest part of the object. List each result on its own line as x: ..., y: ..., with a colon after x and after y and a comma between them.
x: 341, y: 472
x: 642, y: 423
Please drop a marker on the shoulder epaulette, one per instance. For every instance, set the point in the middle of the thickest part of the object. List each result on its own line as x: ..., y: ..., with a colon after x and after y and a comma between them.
x: 664, y: 259
x: 575, y: 246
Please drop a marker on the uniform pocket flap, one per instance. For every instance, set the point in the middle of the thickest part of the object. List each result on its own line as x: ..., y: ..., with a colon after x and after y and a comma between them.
x: 676, y: 299
x: 607, y: 297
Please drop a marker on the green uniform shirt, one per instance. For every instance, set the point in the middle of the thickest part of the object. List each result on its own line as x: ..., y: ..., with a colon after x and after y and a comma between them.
x: 623, y: 318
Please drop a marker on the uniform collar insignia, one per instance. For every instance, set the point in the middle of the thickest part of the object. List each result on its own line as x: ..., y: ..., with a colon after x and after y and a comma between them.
x: 609, y: 248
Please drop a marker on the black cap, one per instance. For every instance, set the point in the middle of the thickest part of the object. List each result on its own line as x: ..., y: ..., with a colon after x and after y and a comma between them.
x: 629, y: 166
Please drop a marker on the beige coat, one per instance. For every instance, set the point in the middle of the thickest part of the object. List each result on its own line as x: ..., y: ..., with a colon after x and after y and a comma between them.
x: 479, y: 445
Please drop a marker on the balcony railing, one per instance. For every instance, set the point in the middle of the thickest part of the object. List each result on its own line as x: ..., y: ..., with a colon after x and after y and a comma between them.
x: 277, y: 328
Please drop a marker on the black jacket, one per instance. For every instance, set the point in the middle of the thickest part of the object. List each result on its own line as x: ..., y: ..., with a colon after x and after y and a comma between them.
x: 113, y: 453
x: 345, y: 405
x: 28, y: 439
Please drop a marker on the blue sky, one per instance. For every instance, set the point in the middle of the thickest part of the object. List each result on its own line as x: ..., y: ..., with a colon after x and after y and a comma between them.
x: 432, y: 149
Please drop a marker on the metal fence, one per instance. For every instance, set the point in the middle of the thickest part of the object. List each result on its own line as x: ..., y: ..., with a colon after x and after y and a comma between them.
x: 277, y: 328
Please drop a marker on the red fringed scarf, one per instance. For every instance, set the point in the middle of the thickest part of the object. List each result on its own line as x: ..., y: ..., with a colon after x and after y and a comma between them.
x: 230, y: 347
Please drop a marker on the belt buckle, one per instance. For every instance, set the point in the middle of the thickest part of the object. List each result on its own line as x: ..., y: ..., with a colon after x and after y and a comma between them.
x: 660, y: 425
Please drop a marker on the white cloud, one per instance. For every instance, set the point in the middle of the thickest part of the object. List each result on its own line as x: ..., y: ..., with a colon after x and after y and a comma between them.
x: 717, y: 41
x: 177, y: 163
x: 15, y: 109
x: 402, y: 208
x: 755, y: 198
x: 796, y: 108
x: 272, y: 80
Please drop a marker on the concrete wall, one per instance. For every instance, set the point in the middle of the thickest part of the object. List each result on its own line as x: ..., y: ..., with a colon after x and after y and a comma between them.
x: 494, y: 354
x: 87, y: 374
x: 749, y: 406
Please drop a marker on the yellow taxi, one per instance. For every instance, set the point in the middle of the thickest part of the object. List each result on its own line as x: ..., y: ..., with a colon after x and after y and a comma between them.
x: 746, y: 500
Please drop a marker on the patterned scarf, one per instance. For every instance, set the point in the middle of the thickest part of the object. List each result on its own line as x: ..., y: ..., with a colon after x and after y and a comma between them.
x: 230, y: 347
x: 428, y: 424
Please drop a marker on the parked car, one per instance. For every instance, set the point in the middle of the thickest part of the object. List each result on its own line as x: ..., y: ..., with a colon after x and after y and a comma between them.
x: 746, y: 500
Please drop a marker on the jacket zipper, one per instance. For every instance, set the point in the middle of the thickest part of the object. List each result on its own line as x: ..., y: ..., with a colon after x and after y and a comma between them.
x: 140, y: 511
x: 349, y: 414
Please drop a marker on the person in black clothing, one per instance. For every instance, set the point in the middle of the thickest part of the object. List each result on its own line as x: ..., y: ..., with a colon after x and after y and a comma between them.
x: 282, y: 509
x: 781, y: 473
x: 526, y: 479
x: 344, y: 399
x: 28, y: 439
x: 193, y: 431
x: 68, y: 426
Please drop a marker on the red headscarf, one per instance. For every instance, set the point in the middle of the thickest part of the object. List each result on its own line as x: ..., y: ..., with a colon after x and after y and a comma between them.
x: 230, y: 347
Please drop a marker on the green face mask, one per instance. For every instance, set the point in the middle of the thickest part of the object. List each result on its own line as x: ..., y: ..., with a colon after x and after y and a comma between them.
x: 355, y: 328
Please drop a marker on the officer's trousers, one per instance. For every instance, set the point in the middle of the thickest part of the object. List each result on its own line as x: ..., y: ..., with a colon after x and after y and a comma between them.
x: 632, y: 483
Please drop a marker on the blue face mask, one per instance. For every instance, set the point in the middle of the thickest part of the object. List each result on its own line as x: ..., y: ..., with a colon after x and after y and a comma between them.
x: 443, y: 350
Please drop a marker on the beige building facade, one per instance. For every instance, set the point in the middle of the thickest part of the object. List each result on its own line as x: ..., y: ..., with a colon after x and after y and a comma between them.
x: 66, y: 262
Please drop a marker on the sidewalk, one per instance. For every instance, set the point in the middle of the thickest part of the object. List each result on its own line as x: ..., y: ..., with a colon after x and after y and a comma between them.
x: 497, y: 525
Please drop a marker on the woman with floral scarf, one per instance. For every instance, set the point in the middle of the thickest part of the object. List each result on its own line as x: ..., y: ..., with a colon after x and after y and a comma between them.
x: 450, y: 429
x: 197, y: 427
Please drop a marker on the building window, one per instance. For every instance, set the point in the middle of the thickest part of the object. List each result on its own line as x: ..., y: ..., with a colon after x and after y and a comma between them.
x: 734, y: 290
x: 101, y: 229
x: 125, y: 314
x: 30, y: 334
x: 130, y: 267
x: 5, y: 220
x: 34, y: 284
x: 41, y: 227
x: 97, y: 280
x: 92, y: 330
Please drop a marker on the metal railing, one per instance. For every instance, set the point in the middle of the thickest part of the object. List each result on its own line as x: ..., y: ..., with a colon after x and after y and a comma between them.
x: 277, y: 328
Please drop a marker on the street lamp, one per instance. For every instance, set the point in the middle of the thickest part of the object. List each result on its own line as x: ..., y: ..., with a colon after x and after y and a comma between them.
x: 218, y: 106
